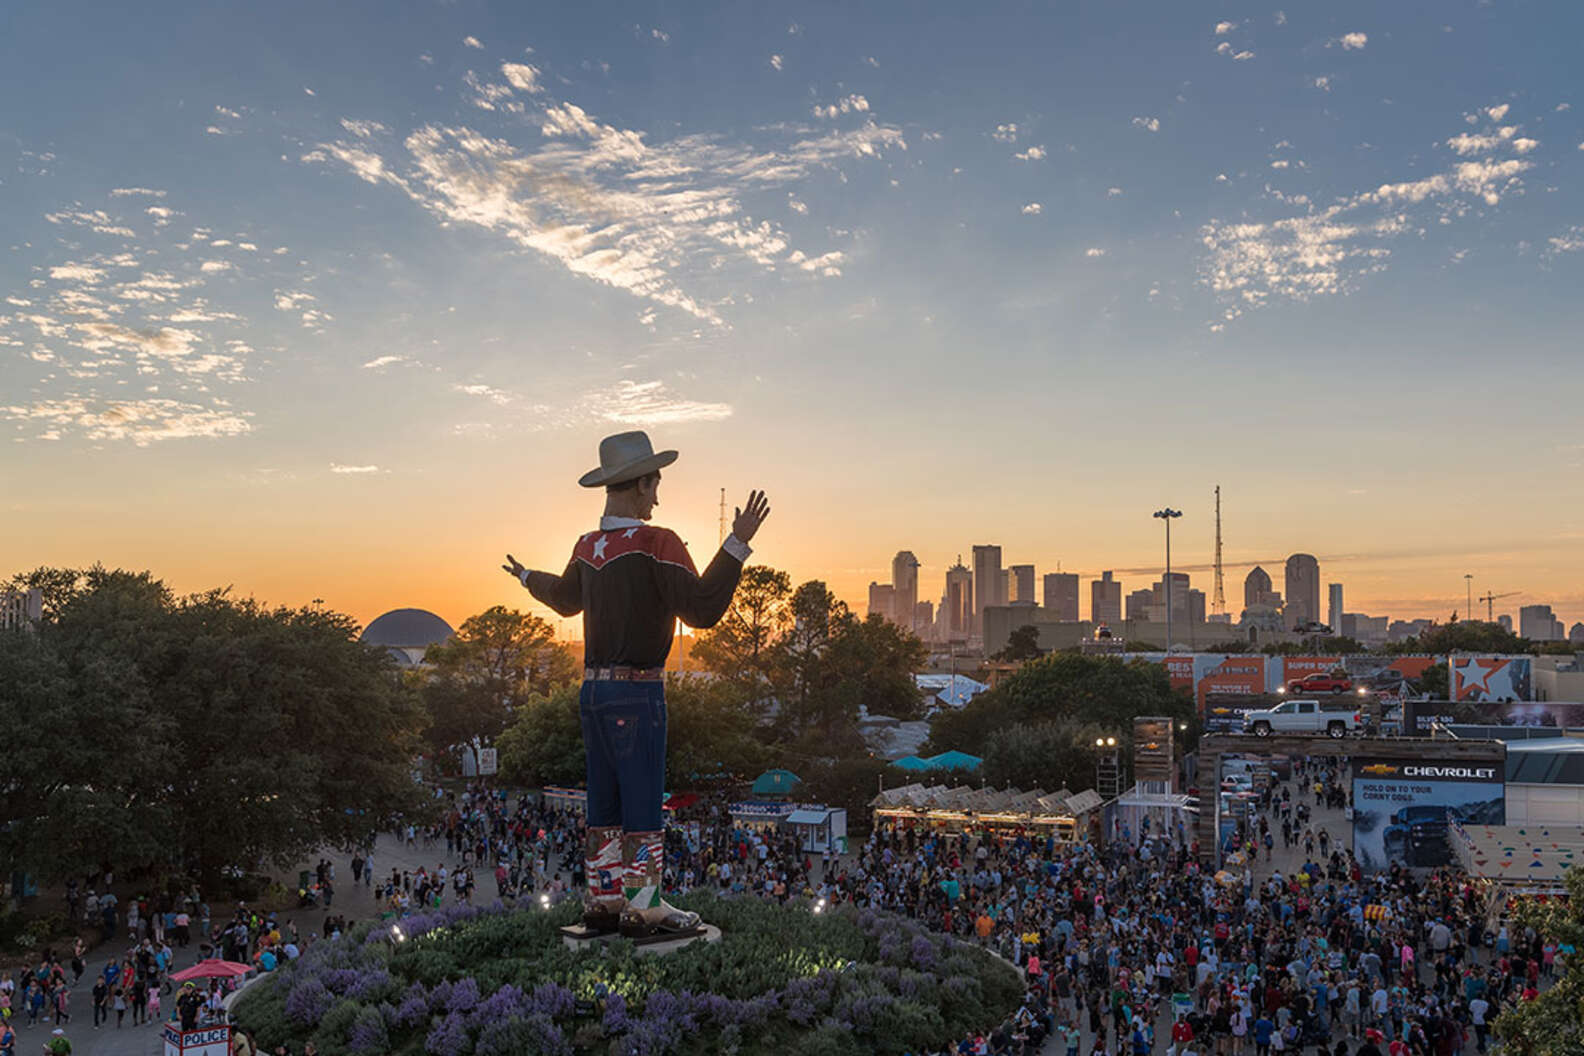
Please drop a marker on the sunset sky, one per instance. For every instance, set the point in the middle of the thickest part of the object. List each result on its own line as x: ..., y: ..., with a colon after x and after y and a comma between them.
x: 336, y: 300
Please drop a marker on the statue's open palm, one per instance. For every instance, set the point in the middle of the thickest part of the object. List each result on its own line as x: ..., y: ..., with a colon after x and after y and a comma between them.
x: 751, y: 516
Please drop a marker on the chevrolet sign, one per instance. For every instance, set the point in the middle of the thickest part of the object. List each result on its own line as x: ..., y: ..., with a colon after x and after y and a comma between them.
x: 1475, y: 773
x: 1378, y: 769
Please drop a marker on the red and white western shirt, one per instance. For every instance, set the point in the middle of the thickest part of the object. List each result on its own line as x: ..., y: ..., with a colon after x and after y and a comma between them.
x: 631, y: 581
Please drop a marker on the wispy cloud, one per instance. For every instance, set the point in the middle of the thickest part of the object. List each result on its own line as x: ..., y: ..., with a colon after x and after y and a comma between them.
x: 1031, y: 154
x: 142, y: 422
x: 1151, y: 124
x: 380, y: 362
x: 473, y: 42
x: 1353, y: 41
x: 607, y: 204
x: 1006, y: 133
x: 1033, y: 209
x: 345, y: 470
x: 1323, y: 252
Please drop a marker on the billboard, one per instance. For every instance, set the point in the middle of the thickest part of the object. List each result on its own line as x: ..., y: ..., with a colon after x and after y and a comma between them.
x: 1490, y: 677
x: 1400, y: 808
x: 1233, y: 676
x: 1154, y: 757
x: 1422, y: 714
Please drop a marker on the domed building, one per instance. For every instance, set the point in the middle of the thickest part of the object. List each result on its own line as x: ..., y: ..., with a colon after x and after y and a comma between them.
x: 406, y: 634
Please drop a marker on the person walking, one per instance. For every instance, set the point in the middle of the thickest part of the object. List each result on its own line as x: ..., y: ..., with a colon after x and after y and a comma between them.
x: 632, y: 581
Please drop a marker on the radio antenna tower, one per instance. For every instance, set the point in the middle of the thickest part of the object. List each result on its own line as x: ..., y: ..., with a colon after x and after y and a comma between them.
x: 1219, y: 605
x: 722, y: 538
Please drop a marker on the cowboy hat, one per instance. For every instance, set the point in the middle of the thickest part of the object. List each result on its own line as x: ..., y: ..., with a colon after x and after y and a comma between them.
x: 624, y: 457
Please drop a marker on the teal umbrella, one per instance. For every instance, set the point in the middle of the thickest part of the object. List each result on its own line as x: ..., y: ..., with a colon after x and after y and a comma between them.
x: 954, y: 760
x: 910, y: 762
x: 776, y: 783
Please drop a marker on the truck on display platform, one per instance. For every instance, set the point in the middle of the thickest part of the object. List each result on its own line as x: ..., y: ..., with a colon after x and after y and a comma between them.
x: 1332, y: 718
x: 1320, y: 683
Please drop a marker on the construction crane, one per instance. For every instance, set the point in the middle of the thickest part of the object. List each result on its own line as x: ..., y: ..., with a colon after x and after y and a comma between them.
x: 1490, y: 602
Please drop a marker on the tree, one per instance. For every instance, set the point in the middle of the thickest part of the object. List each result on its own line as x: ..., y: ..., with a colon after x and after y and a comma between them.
x: 497, y: 661
x: 875, y: 660
x: 743, y: 647
x: 710, y: 733
x: 803, y: 682
x: 1022, y: 644
x: 850, y: 782
x: 544, y: 743
x: 187, y: 734
x: 1472, y: 636
x: 1551, y: 1022
x: 1103, y: 691
x: 1048, y: 755
x: 1435, y: 681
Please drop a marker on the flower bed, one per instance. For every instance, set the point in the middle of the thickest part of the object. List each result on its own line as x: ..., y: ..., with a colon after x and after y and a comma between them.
x: 477, y: 982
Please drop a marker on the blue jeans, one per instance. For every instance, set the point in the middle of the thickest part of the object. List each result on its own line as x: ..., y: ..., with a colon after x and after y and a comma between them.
x: 624, y: 746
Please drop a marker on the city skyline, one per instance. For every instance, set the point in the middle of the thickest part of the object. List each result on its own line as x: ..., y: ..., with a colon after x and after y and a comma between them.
x: 337, y: 301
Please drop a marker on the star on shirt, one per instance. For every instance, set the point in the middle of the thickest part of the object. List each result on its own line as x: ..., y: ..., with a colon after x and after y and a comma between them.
x: 599, y: 547
x: 629, y: 533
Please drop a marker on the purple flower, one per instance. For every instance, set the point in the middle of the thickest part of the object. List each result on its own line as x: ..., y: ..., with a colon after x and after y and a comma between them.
x: 464, y: 996
x: 308, y: 1002
x: 923, y: 953
x: 449, y: 1037
x: 368, y: 1033
x: 506, y: 1003
x: 414, y: 1008
x: 440, y: 996
x: 615, y: 1020
x: 368, y: 984
x: 551, y: 1000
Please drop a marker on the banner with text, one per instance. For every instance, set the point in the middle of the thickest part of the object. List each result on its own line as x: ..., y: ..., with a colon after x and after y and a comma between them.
x: 1400, y: 808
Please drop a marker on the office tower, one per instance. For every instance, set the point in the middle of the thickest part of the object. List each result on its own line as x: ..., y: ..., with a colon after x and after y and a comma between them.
x: 1193, y: 611
x: 1021, y: 581
x: 904, y: 578
x: 1302, y: 587
x: 1141, y: 606
x: 1504, y: 621
x: 882, y: 598
x: 1334, y: 607
x: 989, y: 582
x: 923, y: 618
x: 1061, y: 595
x: 1576, y: 634
x: 1105, y: 600
x: 957, y: 605
x: 1256, y: 588
x: 20, y: 608
x: 1538, y: 624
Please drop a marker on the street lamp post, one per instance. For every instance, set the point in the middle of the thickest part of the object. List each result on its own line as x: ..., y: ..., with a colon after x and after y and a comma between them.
x: 1166, y: 515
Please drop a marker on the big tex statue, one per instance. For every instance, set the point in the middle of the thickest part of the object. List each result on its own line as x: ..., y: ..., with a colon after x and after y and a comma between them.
x: 631, y: 581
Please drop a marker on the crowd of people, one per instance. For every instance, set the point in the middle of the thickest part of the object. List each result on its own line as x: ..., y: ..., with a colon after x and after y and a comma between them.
x: 1132, y: 945
x: 1129, y: 945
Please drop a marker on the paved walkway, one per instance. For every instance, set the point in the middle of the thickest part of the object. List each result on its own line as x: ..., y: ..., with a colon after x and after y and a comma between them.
x: 354, y: 903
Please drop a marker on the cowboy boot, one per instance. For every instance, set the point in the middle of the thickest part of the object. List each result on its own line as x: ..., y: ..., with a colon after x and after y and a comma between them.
x: 602, y: 871
x: 643, y: 859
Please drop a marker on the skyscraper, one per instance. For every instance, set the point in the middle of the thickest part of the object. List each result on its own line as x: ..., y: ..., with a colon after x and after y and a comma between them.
x: 1022, y: 583
x: 1256, y: 588
x: 957, y: 616
x: 882, y: 601
x: 1539, y: 624
x: 1105, y: 600
x: 1061, y: 595
x: 1302, y: 587
x: 1334, y: 607
x: 989, y: 582
x: 904, y: 578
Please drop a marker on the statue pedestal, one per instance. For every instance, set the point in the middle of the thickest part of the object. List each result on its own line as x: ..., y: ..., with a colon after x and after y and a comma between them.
x: 577, y: 937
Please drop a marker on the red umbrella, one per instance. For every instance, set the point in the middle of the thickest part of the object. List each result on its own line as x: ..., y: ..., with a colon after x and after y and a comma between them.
x: 213, y: 968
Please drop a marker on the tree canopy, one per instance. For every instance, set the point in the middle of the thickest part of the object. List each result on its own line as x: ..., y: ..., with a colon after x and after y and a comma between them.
x: 1102, y: 691
x: 497, y: 661
x: 1552, y: 1022
x: 174, y: 734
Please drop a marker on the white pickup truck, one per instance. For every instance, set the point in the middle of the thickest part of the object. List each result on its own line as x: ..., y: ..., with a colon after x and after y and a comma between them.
x: 1334, y: 719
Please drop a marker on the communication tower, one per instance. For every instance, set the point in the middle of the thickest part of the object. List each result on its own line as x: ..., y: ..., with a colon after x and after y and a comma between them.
x: 1218, y: 606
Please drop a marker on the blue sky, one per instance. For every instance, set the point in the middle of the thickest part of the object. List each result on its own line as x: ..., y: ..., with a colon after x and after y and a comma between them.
x: 934, y: 275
